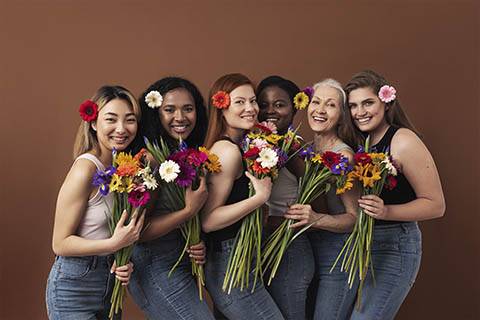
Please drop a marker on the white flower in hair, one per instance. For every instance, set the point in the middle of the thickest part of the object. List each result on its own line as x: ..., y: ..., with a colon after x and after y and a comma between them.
x: 169, y: 170
x: 268, y: 158
x: 154, y: 99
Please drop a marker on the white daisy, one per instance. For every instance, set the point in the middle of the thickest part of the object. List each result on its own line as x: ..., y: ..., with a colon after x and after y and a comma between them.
x: 169, y: 170
x: 154, y: 99
x: 268, y: 158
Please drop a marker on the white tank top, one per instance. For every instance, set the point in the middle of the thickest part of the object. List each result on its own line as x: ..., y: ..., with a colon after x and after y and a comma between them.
x: 284, y: 193
x: 94, y: 223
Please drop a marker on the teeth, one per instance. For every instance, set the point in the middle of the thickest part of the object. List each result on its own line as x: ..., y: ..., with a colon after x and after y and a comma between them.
x: 319, y: 119
x: 272, y: 120
x: 119, y: 140
x: 363, y: 120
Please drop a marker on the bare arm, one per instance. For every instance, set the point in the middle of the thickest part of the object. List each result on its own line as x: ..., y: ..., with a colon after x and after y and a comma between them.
x: 342, y: 222
x: 71, y: 205
x: 216, y: 215
x: 417, y: 165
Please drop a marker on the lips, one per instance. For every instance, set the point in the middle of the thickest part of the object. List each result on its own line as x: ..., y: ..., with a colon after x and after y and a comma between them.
x: 319, y: 118
x: 363, y: 120
x: 180, y: 128
x: 248, y: 117
x: 272, y: 120
x: 120, y: 140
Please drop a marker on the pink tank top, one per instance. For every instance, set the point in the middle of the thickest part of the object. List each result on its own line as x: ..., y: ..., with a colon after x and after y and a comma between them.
x: 94, y: 223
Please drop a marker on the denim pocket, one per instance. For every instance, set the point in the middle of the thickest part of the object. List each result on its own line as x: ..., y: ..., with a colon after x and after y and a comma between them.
x: 74, y: 267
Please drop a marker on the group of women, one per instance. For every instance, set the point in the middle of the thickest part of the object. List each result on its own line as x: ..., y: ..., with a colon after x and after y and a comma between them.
x: 80, y: 281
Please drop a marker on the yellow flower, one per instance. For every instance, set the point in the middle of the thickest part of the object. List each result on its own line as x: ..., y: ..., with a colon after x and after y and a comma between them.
x: 115, y: 183
x: 370, y: 174
x: 348, y: 184
x: 377, y: 156
x: 273, y: 138
x: 213, y: 164
x: 317, y: 159
x: 300, y: 100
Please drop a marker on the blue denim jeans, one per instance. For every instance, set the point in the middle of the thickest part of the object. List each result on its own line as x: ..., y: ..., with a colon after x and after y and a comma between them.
x: 239, y: 304
x: 294, y: 274
x: 158, y: 295
x: 80, y: 288
x: 396, y: 255
x: 333, y: 298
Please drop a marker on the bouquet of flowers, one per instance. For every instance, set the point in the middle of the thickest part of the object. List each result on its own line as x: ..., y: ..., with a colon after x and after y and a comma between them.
x: 319, y: 171
x: 129, y: 180
x: 374, y: 171
x: 179, y: 170
x: 265, y: 153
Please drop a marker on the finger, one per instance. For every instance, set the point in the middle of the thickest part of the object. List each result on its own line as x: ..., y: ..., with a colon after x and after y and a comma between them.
x: 249, y: 176
x: 134, y: 216
x: 200, y: 245
x: 123, y: 217
x: 291, y: 216
x: 297, y: 206
x: 203, y: 183
x: 140, y: 222
x: 368, y: 208
x: 371, y: 197
x: 368, y: 202
x: 298, y: 224
x: 114, y: 266
x: 200, y: 261
x: 122, y: 278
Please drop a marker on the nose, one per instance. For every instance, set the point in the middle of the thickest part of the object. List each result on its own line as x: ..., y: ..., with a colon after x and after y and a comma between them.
x: 360, y: 110
x: 178, y: 115
x: 270, y: 109
x: 120, y: 127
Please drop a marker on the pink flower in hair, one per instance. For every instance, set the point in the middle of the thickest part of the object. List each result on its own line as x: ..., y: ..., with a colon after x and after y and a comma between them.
x: 387, y: 93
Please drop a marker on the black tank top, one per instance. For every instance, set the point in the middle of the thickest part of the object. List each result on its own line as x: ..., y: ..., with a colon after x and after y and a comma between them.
x: 238, y: 193
x: 403, y: 192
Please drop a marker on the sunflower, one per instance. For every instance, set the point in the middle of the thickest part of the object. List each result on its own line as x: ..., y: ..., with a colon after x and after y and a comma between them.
x: 370, y: 174
x: 301, y: 100
x: 273, y: 138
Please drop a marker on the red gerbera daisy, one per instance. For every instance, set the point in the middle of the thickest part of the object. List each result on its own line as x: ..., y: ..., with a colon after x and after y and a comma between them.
x: 330, y: 158
x: 88, y: 111
x: 362, y: 158
x: 251, y: 153
x: 221, y: 100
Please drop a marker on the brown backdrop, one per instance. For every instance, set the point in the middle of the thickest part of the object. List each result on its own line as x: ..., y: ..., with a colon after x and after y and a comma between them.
x: 55, y: 54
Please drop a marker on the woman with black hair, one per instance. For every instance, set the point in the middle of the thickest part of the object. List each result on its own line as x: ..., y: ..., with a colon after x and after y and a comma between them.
x: 172, y: 108
x: 289, y: 287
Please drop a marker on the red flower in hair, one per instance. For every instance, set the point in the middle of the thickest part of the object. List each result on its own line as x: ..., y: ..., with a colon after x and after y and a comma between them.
x: 330, y: 159
x: 88, y: 111
x: 221, y: 100
x: 251, y: 153
x: 362, y: 158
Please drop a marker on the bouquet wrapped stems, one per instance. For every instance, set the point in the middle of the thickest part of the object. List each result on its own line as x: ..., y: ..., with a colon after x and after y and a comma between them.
x: 246, y: 248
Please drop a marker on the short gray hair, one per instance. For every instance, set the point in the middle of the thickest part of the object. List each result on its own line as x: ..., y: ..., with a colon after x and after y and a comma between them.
x: 333, y: 84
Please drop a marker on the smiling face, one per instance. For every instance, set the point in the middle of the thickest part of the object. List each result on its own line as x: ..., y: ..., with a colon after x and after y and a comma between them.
x: 324, y: 111
x: 368, y: 112
x: 276, y: 107
x: 116, y: 125
x: 178, y: 114
x: 243, y: 110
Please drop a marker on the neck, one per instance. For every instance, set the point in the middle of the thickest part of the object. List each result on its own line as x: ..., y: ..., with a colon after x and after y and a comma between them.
x: 377, y: 134
x: 235, y: 134
x: 105, y: 156
x: 324, y: 141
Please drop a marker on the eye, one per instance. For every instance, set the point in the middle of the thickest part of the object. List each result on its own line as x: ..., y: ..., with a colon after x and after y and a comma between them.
x: 332, y: 105
x: 240, y: 102
x: 168, y: 109
x: 132, y: 120
x: 316, y: 102
x: 368, y: 103
x: 279, y: 105
x: 351, y: 105
x: 110, y: 120
x: 189, y: 109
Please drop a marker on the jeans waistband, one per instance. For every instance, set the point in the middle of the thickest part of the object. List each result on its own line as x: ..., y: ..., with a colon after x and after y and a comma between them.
x: 93, y: 261
x: 405, y: 226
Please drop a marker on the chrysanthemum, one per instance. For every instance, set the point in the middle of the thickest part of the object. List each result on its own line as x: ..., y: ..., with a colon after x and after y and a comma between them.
x: 149, y: 181
x: 154, y: 99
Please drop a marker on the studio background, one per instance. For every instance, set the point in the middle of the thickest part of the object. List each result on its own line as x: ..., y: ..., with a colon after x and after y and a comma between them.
x: 55, y: 54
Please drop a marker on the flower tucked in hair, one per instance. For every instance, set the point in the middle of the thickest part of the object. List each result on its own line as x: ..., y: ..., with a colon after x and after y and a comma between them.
x: 154, y: 99
x: 387, y: 93
x: 221, y: 100
x: 309, y: 92
x: 301, y: 100
x: 88, y: 111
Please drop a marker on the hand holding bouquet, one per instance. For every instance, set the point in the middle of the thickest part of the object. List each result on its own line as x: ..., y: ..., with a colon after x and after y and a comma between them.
x: 129, y: 180
x: 374, y: 171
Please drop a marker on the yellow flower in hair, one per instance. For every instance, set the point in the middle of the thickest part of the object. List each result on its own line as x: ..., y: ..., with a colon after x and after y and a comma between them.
x: 301, y: 100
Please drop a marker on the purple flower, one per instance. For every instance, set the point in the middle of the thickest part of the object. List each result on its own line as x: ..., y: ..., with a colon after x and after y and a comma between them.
x: 309, y: 92
x: 342, y: 167
x: 282, y: 157
x: 186, y: 176
x: 307, y: 152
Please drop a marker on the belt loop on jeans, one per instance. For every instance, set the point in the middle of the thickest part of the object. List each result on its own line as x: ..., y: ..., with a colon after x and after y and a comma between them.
x: 94, y: 262
x: 404, y: 227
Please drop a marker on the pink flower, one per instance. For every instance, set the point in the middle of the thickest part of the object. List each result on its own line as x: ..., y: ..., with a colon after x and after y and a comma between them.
x: 259, y: 143
x: 137, y: 198
x: 269, y: 125
x: 387, y: 93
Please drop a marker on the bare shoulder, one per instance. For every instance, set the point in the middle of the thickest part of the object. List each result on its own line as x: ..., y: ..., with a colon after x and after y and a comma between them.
x: 81, y: 173
x: 405, y: 140
x: 228, y: 154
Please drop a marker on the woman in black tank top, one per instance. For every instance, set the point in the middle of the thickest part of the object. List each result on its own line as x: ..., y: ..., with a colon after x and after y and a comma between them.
x: 396, y: 248
x: 233, y: 111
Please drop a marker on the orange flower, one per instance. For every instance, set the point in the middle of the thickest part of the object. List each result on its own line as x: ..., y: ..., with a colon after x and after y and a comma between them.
x: 258, y: 169
x: 221, y: 100
x: 140, y: 154
x: 127, y: 169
